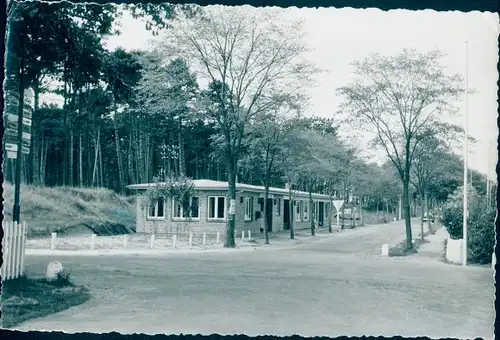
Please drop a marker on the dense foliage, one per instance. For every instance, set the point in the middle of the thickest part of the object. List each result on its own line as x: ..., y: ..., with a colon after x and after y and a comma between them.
x: 480, y: 224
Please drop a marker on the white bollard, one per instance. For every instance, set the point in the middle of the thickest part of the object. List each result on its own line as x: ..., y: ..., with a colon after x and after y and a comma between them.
x: 190, y: 239
x: 125, y: 241
x: 385, y: 250
x: 92, y: 241
x: 174, y: 241
x: 218, y: 237
x: 152, y: 241
x: 204, y: 238
x: 242, y: 235
x: 249, y: 235
x: 53, y: 241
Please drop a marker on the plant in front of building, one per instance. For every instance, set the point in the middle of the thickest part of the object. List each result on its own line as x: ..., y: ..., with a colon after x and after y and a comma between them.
x: 170, y: 188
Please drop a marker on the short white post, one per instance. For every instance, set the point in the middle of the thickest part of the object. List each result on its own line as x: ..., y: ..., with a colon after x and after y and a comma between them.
x: 174, y: 241
x: 218, y: 237
x: 204, y: 238
x: 249, y: 235
x: 190, y: 239
x: 92, y: 242
x: 385, y: 250
x: 125, y: 241
x: 53, y: 241
x: 242, y: 235
x: 152, y: 241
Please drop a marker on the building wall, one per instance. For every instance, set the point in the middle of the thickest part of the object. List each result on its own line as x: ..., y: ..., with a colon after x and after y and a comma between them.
x: 167, y: 224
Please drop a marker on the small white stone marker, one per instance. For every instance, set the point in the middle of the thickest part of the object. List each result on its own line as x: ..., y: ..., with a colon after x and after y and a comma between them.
x: 242, y: 235
x: 249, y: 235
x: 53, y: 241
x: 53, y: 269
x: 204, y: 238
x: 152, y: 241
x: 174, y: 241
x: 218, y: 237
x: 190, y: 239
x: 385, y: 250
x: 92, y: 241
x: 125, y: 241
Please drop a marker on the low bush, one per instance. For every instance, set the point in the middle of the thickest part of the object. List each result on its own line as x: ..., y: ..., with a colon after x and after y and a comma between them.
x: 480, y: 225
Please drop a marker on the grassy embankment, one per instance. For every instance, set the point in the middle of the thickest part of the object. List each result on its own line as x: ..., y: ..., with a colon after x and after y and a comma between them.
x: 72, y: 211
x: 28, y: 298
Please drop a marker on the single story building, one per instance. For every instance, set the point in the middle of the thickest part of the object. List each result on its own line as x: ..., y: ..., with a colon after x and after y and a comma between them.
x: 210, y: 209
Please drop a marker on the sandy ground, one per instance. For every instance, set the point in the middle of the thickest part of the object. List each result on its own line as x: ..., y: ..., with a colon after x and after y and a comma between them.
x: 331, y: 284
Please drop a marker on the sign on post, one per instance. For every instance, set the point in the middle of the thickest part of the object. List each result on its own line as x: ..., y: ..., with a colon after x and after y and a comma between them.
x: 232, y: 207
x: 338, y: 205
x: 12, y: 123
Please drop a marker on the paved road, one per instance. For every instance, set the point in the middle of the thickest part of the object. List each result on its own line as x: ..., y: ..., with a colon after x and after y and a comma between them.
x: 334, y: 285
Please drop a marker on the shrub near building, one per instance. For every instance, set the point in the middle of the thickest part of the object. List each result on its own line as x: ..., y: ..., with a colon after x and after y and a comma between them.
x: 480, y: 226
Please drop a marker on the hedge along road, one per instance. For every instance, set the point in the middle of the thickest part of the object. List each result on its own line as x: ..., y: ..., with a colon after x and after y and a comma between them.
x: 336, y: 285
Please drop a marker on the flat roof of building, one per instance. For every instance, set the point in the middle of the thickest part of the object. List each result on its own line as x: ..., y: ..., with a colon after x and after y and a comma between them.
x: 211, y: 185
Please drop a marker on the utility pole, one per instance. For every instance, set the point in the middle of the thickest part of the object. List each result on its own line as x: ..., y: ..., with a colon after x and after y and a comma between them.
x: 466, y: 152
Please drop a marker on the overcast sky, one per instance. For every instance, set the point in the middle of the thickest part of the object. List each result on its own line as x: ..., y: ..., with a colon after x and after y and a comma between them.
x: 339, y: 36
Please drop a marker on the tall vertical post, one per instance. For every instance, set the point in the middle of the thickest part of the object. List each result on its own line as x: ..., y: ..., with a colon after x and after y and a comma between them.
x: 400, y: 208
x: 16, y: 211
x: 488, y: 182
x: 466, y: 154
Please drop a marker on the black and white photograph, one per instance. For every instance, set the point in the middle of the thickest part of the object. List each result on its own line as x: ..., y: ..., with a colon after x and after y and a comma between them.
x: 179, y: 168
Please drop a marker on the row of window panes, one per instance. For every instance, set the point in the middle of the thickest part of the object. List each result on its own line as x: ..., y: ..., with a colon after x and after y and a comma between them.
x: 189, y: 208
x: 216, y: 208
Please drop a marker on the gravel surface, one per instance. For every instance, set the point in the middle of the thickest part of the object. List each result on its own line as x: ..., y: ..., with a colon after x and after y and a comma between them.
x: 331, y: 284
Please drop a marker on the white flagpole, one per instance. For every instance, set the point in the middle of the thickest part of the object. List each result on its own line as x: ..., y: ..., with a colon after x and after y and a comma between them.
x: 466, y: 153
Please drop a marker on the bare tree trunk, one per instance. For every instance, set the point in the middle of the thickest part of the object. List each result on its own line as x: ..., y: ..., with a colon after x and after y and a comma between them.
x: 35, y: 160
x: 343, y: 206
x: 266, y: 222
x: 426, y: 200
x: 231, y: 169
x: 422, y: 213
x: 45, y: 151
x: 197, y: 169
x: 182, y: 162
x: 290, y: 212
x: 330, y: 211
x: 406, y: 209
x: 71, y: 150
x: 118, y: 151
x: 94, y: 172
x: 387, y: 209
x: 130, y: 163
x: 311, y: 204
x: 80, y: 161
x: 101, y: 166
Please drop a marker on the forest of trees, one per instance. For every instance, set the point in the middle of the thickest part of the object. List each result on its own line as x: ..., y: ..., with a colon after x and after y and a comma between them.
x: 128, y: 116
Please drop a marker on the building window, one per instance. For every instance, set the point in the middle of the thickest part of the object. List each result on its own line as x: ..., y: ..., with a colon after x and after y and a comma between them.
x: 156, y: 209
x: 299, y: 208
x: 190, y: 208
x: 278, y: 207
x: 306, y: 210
x: 216, y: 207
x: 248, y: 208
